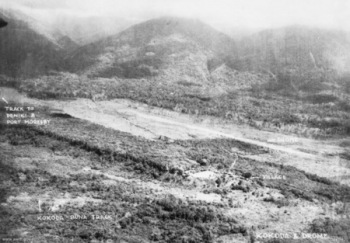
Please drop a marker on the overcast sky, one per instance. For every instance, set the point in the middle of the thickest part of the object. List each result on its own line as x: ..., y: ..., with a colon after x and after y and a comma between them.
x: 233, y: 13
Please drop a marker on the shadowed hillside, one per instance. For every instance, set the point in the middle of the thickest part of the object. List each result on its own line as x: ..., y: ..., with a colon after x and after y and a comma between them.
x: 27, y: 48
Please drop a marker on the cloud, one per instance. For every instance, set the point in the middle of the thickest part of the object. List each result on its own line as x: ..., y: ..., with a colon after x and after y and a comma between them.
x: 237, y: 13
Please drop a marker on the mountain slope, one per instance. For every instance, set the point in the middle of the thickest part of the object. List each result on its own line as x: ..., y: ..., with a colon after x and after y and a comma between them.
x: 165, y: 47
x: 297, y: 53
x: 26, y: 49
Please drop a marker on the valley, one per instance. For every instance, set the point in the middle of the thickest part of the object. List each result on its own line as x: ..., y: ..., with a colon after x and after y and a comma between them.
x: 77, y: 164
x: 168, y: 130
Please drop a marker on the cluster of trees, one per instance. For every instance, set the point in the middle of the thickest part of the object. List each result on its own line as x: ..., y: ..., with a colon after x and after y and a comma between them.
x: 138, y: 68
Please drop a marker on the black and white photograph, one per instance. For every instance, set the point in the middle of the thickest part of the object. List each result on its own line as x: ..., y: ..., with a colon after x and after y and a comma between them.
x: 175, y: 121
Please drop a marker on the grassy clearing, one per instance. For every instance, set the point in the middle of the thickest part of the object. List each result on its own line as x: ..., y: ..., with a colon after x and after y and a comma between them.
x: 151, y: 158
x: 137, y: 213
x: 338, y: 228
x: 318, y: 115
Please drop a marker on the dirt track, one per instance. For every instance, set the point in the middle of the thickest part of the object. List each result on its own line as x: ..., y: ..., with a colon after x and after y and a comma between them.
x: 251, y: 208
x: 322, y: 157
x: 313, y: 156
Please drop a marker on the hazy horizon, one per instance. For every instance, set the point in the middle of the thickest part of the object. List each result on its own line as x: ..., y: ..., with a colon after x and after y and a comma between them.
x: 224, y: 14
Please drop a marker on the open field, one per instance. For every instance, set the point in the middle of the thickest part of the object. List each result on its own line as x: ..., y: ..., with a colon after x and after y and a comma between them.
x: 203, y: 181
x: 320, y: 115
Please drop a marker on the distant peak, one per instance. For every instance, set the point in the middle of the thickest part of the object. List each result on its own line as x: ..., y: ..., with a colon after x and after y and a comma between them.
x: 173, y: 21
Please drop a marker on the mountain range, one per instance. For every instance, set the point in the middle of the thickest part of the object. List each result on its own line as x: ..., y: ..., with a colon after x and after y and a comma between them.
x: 171, y: 49
x: 296, y: 47
x: 167, y: 47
